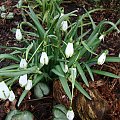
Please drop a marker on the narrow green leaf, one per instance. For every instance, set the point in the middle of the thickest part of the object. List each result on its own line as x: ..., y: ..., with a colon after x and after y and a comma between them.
x: 82, y: 74
x: 87, y: 48
x: 40, y: 29
x: 89, y: 71
x: 79, y: 87
x: 10, y: 67
x: 57, y: 73
x: 105, y: 73
x: 9, y: 56
x: 17, y: 72
x: 93, y: 23
x: 28, y: 49
x: 22, y: 97
x: 59, y: 69
x: 113, y: 59
x: 66, y: 88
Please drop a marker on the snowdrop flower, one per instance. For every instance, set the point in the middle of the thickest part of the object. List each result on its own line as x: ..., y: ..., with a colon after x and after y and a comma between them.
x: 64, y: 25
x: 70, y: 115
x: 23, y: 80
x: 44, y: 58
x: 11, y: 96
x: 29, y: 85
x: 102, y: 37
x: 23, y: 63
x: 69, y: 50
x: 66, y: 68
x: 4, y: 90
x: 18, y: 34
x: 101, y: 59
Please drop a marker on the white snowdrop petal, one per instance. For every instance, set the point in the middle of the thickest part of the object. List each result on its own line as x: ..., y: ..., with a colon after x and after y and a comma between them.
x: 70, y: 115
x: 23, y: 80
x: 23, y: 63
x: 101, y: 59
x: 4, y: 90
x: 11, y: 96
x: 29, y: 85
x: 66, y: 68
x: 69, y: 50
x: 102, y: 37
x: 18, y: 34
x: 64, y: 25
x: 44, y: 58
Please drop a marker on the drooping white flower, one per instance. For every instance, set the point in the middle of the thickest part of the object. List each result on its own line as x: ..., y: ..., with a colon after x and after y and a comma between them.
x: 70, y: 115
x: 101, y: 59
x: 29, y: 85
x: 23, y: 80
x: 18, y: 34
x: 44, y: 58
x: 23, y: 63
x: 102, y: 37
x: 66, y: 68
x: 64, y: 25
x: 69, y: 50
x: 11, y: 96
x: 4, y: 90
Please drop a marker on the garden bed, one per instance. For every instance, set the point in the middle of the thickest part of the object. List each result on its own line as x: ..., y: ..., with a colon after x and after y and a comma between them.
x: 108, y: 88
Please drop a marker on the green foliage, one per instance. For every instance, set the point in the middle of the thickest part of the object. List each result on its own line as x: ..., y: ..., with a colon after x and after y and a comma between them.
x: 59, y: 112
x: 18, y: 115
x: 46, y: 35
x: 41, y: 89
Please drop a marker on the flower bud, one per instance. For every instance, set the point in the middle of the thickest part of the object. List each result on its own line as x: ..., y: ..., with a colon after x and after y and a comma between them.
x: 23, y: 80
x: 11, y: 96
x: 29, y: 85
x: 66, y: 68
x: 23, y: 63
x: 4, y: 90
x: 70, y: 115
x: 69, y: 50
x: 101, y: 59
x: 18, y: 34
x: 64, y: 25
x: 44, y: 58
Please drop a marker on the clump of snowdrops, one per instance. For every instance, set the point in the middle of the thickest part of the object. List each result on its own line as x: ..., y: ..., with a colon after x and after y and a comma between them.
x: 56, y: 48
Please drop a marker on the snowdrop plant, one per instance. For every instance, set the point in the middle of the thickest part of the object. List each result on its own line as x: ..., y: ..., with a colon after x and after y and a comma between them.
x: 49, y: 53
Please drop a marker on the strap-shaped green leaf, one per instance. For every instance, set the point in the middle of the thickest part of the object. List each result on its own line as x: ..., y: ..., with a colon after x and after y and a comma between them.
x: 82, y: 74
x: 57, y: 73
x: 79, y: 87
x: 87, y: 47
x: 40, y: 29
x: 66, y: 88
x: 89, y: 71
x: 9, y: 56
x: 18, y: 72
x: 105, y: 73
x: 22, y: 97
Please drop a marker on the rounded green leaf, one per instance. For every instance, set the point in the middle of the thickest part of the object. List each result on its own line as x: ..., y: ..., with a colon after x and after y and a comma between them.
x: 41, y: 89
